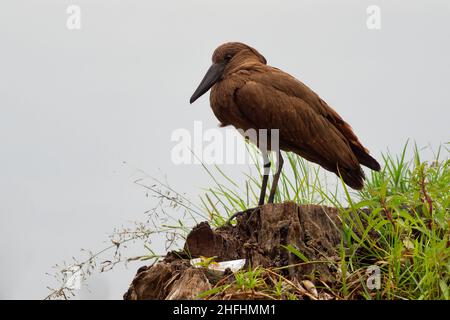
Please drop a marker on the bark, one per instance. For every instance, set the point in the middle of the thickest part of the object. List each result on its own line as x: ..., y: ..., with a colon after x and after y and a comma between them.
x: 258, y: 236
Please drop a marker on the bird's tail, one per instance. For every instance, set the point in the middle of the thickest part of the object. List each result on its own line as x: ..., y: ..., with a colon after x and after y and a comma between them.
x: 354, y: 178
x: 365, y: 158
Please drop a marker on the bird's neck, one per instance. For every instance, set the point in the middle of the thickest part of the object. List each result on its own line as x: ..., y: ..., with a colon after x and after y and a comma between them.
x: 244, y: 62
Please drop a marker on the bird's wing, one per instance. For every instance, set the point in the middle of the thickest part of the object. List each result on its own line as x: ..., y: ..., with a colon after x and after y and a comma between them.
x: 275, y: 100
x: 287, y: 84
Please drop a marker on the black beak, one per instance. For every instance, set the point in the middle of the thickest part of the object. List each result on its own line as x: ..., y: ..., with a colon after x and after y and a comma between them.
x: 211, y: 77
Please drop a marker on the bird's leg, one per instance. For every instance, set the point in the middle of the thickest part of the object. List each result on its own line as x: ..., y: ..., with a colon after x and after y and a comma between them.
x: 265, y: 177
x: 276, y: 177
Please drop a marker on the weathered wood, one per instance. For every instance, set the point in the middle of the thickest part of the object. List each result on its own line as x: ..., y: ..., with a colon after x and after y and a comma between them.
x: 258, y: 236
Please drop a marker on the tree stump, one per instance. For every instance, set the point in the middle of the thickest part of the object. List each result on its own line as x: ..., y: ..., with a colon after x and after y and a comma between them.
x: 259, y: 236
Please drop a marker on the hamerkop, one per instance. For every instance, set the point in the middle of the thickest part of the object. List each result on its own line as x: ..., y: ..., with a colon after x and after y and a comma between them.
x: 249, y: 94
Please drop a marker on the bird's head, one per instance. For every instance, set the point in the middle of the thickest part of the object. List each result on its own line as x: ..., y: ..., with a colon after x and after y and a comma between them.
x: 226, y: 57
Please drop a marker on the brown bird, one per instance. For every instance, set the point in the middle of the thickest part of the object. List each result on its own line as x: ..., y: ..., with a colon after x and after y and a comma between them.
x: 249, y: 94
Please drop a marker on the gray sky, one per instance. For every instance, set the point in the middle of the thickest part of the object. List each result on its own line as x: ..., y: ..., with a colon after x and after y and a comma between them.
x: 76, y: 104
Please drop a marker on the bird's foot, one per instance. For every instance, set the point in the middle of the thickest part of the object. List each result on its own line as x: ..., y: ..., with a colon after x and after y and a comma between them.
x: 248, y: 212
x: 234, y: 215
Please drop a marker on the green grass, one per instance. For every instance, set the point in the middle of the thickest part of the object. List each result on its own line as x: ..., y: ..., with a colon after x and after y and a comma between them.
x: 399, y: 223
x: 300, y: 182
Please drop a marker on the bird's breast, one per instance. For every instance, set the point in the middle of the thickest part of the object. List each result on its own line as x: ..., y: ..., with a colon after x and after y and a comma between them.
x: 222, y: 100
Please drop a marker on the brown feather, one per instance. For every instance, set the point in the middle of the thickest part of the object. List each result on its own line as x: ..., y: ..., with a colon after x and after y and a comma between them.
x: 253, y: 95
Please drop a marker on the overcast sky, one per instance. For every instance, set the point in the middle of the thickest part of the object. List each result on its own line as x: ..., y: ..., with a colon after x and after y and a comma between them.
x: 76, y: 104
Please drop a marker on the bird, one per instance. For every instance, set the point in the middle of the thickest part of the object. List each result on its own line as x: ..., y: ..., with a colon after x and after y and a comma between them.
x: 247, y: 93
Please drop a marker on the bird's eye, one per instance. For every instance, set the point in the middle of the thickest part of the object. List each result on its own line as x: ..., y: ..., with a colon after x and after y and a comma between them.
x: 228, y: 57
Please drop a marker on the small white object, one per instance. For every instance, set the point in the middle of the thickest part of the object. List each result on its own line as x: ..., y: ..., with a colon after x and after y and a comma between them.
x: 233, y: 265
